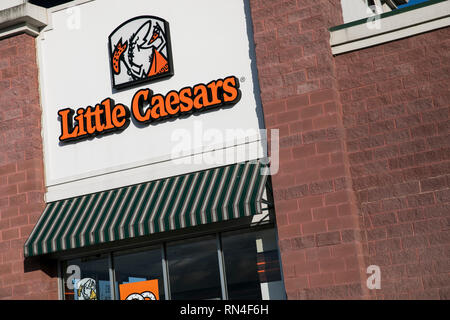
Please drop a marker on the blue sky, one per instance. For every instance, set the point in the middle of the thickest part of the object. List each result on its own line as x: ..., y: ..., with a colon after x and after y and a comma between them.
x: 412, y: 2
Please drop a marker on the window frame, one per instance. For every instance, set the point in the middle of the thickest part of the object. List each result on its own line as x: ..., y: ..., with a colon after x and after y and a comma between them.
x: 162, y: 245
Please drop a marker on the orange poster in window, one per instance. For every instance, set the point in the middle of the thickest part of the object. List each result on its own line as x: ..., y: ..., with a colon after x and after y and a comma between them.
x: 142, y: 290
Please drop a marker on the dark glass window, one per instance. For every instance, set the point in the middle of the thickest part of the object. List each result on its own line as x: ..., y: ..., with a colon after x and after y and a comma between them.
x: 87, y: 279
x: 194, y: 269
x: 248, y: 261
x: 139, y: 267
x: 252, y: 266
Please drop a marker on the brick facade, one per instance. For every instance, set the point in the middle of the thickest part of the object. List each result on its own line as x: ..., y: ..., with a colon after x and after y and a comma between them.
x: 317, y: 214
x: 396, y: 106
x: 364, y: 158
x: 364, y: 152
x: 21, y: 172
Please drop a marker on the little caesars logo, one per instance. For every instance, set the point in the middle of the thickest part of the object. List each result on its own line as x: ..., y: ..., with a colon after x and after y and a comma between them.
x: 140, y: 52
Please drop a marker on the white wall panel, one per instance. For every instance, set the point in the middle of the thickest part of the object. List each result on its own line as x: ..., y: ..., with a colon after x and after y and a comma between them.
x: 209, y: 41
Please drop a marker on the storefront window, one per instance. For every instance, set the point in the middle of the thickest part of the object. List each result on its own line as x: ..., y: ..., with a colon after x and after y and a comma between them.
x: 252, y: 265
x: 87, y: 279
x: 194, y: 269
x: 235, y: 265
x: 139, y: 275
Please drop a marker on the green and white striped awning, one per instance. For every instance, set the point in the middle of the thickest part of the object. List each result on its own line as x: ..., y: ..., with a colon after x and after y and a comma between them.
x: 193, y: 199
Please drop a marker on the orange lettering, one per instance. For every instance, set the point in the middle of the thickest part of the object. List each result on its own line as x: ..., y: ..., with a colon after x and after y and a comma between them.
x: 158, y: 110
x: 200, y: 99
x: 98, y: 118
x: 107, y: 105
x: 88, y: 115
x: 186, y: 100
x: 119, y: 116
x: 80, y: 120
x: 107, y: 116
x: 137, y: 105
x: 231, y: 92
x: 215, y: 86
x: 172, y: 99
x: 66, y: 125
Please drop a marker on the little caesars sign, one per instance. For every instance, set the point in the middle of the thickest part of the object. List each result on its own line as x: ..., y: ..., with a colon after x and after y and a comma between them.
x: 140, y: 52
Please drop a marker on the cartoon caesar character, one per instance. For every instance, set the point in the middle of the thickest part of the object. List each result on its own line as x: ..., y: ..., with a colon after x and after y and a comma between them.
x: 144, y: 56
x: 87, y: 289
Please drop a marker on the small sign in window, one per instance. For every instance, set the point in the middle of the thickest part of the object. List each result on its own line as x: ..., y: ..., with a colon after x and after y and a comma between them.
x: 142, y: 290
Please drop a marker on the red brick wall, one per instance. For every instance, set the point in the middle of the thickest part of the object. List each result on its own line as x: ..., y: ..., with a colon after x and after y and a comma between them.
x: 364, y: 155
x: 364, y: 158
x: 316, y: 208
x: 21, y: 172
x: 396, y: 106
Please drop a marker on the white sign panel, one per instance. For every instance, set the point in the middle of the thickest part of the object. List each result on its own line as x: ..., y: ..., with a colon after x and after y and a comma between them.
x: 138, y: 90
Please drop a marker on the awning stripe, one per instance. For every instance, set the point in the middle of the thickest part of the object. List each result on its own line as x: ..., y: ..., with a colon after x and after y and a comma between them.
x: 242, y: 182
x: 227, y: 174
x: 209, y: 210
x: 165, y: 204
x: 138, y: 208
x: 184, y: 209
x: 217, y: 188
x: 149, y: 227
x: 228, y: 205
x: 234, y: 173
x: 57, y: 226
x: 107, y: 233
x: 45, y: 218
x: 64, y: 238
x: 75, y: 241
x: 50, y: 222
x: 176, y: 207
x: 198, y: 199
x: 114, y: 211
x: 247, y: 191
x: 102, y: 201
x: 137, y: 196
x: 173, y: 203
x: 210, y: 184
x: 62, y: 224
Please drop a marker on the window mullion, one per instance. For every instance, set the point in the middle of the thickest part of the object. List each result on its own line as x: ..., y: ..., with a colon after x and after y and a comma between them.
x: 112, y: 277
x: 223, y: 280
x: 60, y: 281
x: 165, y: 268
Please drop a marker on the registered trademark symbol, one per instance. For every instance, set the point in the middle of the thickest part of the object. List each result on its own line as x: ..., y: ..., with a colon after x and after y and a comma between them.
x: 242, y: 79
